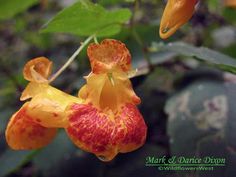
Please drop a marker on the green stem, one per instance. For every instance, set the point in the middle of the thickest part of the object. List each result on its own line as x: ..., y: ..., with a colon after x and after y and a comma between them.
x: 137, y: 36
x: 136, y: 7
x: 144, y: 48
x: 71, y: 59
x: 95, y: 39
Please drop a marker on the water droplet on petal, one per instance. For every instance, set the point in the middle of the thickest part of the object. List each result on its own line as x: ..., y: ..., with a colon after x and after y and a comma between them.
x: 102, y: 158
x: 165, y: 30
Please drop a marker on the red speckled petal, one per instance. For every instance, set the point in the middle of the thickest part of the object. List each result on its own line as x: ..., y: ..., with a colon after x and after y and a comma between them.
x: 136, y: 128
x: 110, y: 54
x: 106, y: 134
x: 37, y: 70
x: 92, y: 131
x: 23, y: 134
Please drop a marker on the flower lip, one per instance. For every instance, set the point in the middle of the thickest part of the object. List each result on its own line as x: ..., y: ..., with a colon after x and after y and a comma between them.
x: 95, y: 131
x: 37, y: 70
x: 108, y: 56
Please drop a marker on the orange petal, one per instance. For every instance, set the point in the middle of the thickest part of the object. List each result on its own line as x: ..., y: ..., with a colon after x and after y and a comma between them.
x: 37, y: 70
x: 230, y: 3
x: 106, y: 94
x: 23, y: 133
x: 110, y: 54
x: 105, y: 134
x: 136, y: 129
x: 92, y: 131
x: 176, y: 13
x: 92, y: 90
x: 48, y: 104
x: 33, y: 89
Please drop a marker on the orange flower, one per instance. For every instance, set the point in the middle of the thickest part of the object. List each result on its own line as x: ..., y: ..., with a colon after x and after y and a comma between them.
x: 36, y: 123
x: 104, y: 120
x: 230, y: 3
x: 108, y: 122
x: 176, y: 14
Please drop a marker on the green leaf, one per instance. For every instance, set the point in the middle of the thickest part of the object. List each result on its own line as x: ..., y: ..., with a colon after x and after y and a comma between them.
x: 10, y: 8
x: 202, y: 53
x: 85, y: 18
x: 113, y: 2
x: 11, y: 160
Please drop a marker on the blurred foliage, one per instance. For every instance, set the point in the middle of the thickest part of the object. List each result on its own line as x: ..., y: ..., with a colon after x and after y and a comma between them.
x: 12, y: 7
x: 207, y: 120
x: 161, y: 64
x: 202, y: 53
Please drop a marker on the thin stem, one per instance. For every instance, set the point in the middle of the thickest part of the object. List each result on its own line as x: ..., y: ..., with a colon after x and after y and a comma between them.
x: 136, y: 8
x: 144, y: 48
x: 137, y: 37
x: 71, y: 59
x: 95, y: 39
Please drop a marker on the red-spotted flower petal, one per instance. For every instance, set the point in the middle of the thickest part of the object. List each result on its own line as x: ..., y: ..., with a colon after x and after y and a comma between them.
x: 48, y: 104
x: 109, y: 55
x: 23, y: 133
x: 104, y: 133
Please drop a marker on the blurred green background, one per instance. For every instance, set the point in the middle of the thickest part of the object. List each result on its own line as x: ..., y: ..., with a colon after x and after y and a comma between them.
x: 187, y: 92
